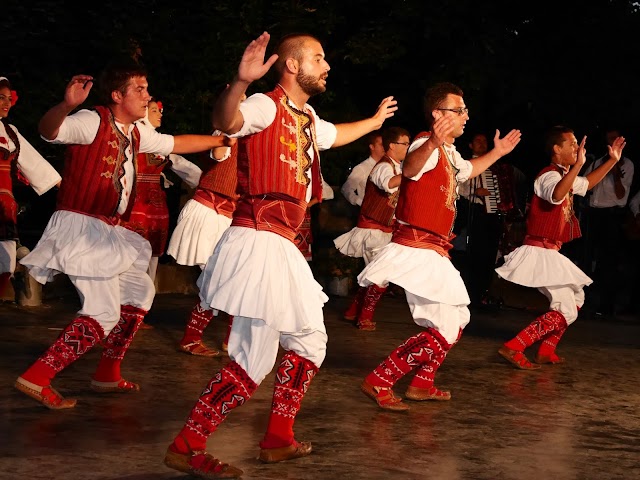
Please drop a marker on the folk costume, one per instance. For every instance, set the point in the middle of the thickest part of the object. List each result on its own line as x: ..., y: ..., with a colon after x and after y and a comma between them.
x: 150, y: 213
x: 372, y: 232
x: 18, y: 160
x: 201, y: 223
x: 417, y: 259
x: 106, y: 263
x: 257, y: 274
x: 538, y: 263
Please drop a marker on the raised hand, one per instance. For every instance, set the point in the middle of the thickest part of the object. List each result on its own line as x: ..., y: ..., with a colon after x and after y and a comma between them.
x: 507, y: 143
x: 386, y: 109
x: 442, y: 129
x: 582, y: 152
x: 615, y: 149
x: 252, y: 65
x: 78, y: 90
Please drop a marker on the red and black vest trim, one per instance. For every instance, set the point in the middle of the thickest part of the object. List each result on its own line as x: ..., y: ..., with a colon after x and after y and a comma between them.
x: 430, y: 202
x: 276, y: 160
x: 555, y: 223
x: 379, y: 206
x: 91, y: 179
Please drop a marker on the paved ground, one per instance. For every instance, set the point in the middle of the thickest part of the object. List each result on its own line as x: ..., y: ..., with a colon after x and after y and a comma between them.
x: 576, y: 421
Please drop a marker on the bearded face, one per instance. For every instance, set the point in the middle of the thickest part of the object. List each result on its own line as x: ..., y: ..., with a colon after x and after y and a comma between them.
x: 310, y: 84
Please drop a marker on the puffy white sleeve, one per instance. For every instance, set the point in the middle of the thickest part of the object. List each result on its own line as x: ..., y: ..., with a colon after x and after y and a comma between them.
x: 188, y: 171
x: 40, y: 174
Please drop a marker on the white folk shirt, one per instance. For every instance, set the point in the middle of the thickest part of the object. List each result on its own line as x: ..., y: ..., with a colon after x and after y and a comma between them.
x: 353, y: 189
x: 259, y: 111
x: 81, y: 129
x: 603, y: 195
x: 546, y: 183
x: 41, y: 175
x: 382, y: 173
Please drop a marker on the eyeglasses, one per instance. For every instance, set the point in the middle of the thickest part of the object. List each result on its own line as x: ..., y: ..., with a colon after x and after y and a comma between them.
x: 459, y: 111
x: 406, y: 144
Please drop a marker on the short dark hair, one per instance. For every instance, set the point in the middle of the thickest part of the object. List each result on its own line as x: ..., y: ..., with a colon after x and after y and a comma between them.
x: 5, y: 83
x: 116, y: 76
x: 393, y: 134
x: 288, y: 46
x: 555, y: 136
x: 435, y: 95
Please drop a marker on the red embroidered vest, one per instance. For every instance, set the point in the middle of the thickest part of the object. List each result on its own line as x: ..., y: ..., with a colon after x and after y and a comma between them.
x: 554, y: 222
x: 430, y: 203
x: 222, y: 177
x: 276, y: 160
x: 378, y: 206
x: 91, y: 176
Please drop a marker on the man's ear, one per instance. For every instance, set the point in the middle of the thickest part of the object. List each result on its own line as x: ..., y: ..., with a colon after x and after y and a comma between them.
x: 292, y: 65
x: 116, y: 96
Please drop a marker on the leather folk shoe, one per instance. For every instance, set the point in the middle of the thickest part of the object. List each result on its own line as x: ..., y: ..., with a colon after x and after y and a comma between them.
x: 384, y: 397
x: 121, y: 386
x: 200, y: 465
x: 295, y: 450
x: 553, y: 359
x: 47, y: 396
x: 199, y: 349
x: 517, y: 359
x: 422, y: 394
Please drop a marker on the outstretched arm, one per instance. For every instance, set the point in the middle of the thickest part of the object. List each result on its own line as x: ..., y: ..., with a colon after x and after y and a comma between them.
x: 200, y: 143
x: 226, y: 112
x: 75, y: 94
x: 615, y: 153
x: 348, y: 132
x: 501, y: 147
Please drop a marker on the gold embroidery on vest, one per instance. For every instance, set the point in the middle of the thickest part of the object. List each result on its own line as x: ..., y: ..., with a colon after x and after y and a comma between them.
x: 450, y: 188
x: 299, y: 144
x: 106, y: 174
x: 109, y: 159
x: 112, y: 143
x: 567, y: 208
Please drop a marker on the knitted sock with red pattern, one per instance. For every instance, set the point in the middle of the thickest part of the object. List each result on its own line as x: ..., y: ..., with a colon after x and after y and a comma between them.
x: 231, y: 387
x: 117, y: 343
x: 426, y: 373
x: 552, y: 321
x: 413, y: 352
x: 198, y: 321
x: 292, y: 381
x: 80, y: 336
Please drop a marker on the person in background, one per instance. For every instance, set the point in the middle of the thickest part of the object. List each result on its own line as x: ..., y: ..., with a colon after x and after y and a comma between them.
x: 354, y: 187
x: 605, y: 220
x: 375, y: 223
x: 18, y: 161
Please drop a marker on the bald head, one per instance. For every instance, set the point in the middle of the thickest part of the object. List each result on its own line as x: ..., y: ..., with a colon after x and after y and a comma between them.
x: 291, y: 46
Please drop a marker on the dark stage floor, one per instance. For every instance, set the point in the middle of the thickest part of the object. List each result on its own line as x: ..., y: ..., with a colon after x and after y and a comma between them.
x: 576, y: 421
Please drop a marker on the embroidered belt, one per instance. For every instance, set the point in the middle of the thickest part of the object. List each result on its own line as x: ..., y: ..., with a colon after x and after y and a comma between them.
x: 221, y: 204
x: 148, y: 177
x: 275, y: 213
x: 542, y: 242
x: 418, y: 238
x: 366, y: 222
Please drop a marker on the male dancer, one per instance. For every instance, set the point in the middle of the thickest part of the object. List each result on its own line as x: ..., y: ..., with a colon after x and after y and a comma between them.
x: 538, y: 262
x: 417, y: 258
x: 105, y: 262
x: 256, y: 272
x: 375, y: 222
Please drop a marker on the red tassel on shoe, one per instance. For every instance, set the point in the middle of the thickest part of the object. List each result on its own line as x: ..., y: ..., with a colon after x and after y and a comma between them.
x: 292, y: 381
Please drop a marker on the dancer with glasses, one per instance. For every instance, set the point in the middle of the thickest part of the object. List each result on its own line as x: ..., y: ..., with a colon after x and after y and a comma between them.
x: 375, y: 223
x: 417, y: 258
